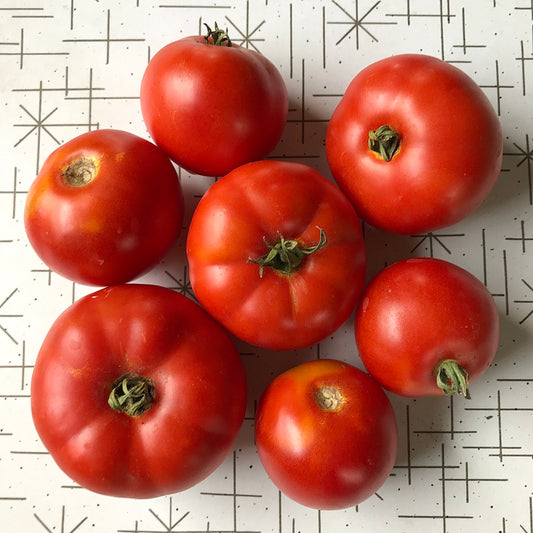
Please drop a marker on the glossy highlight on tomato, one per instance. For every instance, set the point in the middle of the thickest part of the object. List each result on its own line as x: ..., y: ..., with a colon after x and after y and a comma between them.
x: 137, y: 392
x: 105, y: 208
x: 326, y: 434
x: 415, y: 144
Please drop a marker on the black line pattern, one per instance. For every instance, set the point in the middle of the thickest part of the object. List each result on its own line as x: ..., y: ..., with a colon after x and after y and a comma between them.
x: 72, y: 66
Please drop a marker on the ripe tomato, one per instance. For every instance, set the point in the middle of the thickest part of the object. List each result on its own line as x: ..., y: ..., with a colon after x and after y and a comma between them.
x: 426, y: 327
x: 213, y: 105
x: 326, y: 434
x: 137, y: 392
x: 276, y: 254
x: 105, y: 208
x: 415, y: 144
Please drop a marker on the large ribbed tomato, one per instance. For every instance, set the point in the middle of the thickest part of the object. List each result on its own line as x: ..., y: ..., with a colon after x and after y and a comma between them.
x: 137, y: 392
x: 276, y: 254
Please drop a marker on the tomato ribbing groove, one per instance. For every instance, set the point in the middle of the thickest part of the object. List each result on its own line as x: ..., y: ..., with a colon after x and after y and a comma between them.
x: 385, y: 141
x: 452, y: 378
x: 329, y: 398
x: 286, y: 255
x: 80, y: 172
x: 132, y: 394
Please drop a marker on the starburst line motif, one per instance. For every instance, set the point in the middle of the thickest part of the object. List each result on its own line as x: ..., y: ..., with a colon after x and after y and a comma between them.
x: 52, y: 529
x: 526, y: 156
x: 2, y: 328
x: 357, y: 23
x: 183, y: 286
x: 38, y: 124
x: 247, y: 38
x: 433, y: 238
x: 40, y: 120
x: 168, y: 525
x: 529, y: 302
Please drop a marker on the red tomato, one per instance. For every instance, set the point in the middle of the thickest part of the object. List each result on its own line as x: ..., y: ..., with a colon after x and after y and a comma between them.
x: 440, y: 138
x: 276, y: 254
x: 105, y: 208
x: 326, y: 434
x: 137, y: 392
x: 426, y: 327
x: 213, y: 107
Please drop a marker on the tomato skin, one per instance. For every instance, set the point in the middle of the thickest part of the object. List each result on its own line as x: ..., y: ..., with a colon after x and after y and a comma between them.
x: 450, y: 144
x: 213, y: 108
x: 416, y: 313
x: 200, y: 392
x: 324, y: 459
x: 118, y: 226
x: 232, y: 223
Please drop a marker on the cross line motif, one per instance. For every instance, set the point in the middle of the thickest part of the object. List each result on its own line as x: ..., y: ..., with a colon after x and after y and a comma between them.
x: 444, y: 516
x: 21, y: 52
x: 14, y: 192
x: 500, y: 448
x: 234, y: 495
x: 22, y: 367
x: 464, y: 46
x: 467, y: 479
x: 522, y: 239
x: 523, y: 60
x: 107, y: 40
x: 497, y: 86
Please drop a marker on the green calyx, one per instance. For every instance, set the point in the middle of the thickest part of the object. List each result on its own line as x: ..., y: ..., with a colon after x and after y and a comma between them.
x: 384, y: 141
x: 452, y: 378
x: 132, y: 394
x: 286, y: 255
x: 217, y: 37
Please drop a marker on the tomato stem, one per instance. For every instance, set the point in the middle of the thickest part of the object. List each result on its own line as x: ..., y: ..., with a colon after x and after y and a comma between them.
x: 286, y: 256
x: 384, y: 141
x: 132, y: 394
x: 80, y: 172
x: 452, y: 378
x: 217, y: 37
x: 329, y: 398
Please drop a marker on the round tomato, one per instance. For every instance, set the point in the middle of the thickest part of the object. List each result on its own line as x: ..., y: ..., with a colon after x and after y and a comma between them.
x: 105, y: 208
x: 137, y: 392
x: 276, y: 254
x: 426, y: 327
x: 213, y: 105
x: 326, y: 434
x: 415, y: 144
